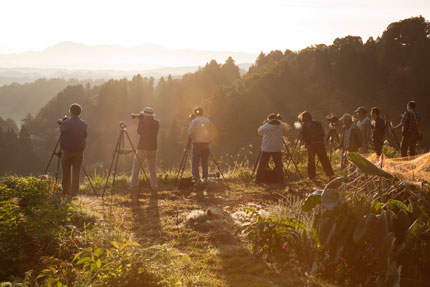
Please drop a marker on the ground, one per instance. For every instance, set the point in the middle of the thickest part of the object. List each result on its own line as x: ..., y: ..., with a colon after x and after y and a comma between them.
x: 202, y: 224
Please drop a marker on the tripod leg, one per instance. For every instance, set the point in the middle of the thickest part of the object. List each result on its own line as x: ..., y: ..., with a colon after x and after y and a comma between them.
x: 52, y: 155
x: 294, y: 150
x: 58, y: 166
x: 135, y: 153
x: 220, y: 171
x: 178, y: 173
x: 111, y: 165
x: 181, y: 172
x: 89, y: 181
x: 292, y: 159
x: 257, y: 162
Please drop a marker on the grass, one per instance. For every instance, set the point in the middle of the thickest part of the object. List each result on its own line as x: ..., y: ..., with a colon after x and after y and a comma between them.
x: 200, y: 226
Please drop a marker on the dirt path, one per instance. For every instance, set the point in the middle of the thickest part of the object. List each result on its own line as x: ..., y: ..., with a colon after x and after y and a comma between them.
x: 202, y: 224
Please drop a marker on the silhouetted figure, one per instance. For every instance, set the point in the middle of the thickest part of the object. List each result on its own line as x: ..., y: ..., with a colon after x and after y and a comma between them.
x: 146, y: 148
x: 364, y: 124
x: 272, y: 130
x: 72, y: 143
x: 378, y: 130
x: 201, y: 133
x: 313, y: 136
x: 411, y: 132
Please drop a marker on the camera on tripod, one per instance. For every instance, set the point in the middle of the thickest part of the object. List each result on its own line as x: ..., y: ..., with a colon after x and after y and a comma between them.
x: 122, y: 125
x: 332, y: 121
x: 60, y: 121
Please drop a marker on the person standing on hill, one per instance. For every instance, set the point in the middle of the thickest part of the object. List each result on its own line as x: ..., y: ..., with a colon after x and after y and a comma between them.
x: 72, y: 143
x: 313, y: 136
x: 146, y: 148
x: 364, y: 124
x: 350, y: 137
x: 411, y: 131
x: 378, y: 130
x: 201, y: 132
x: 272, y: 130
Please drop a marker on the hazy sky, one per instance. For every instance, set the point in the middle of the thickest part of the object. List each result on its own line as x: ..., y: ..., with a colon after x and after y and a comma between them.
x: 235, y: 25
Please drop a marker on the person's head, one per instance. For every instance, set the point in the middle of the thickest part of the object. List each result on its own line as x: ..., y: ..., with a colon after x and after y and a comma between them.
x: 75, y: 109
x: 346, y: 119
x: 305, y: 116
x: 361, y: 112
x: 198, y: 111
x: 412, y: 105
x: 148, y: 112
x: 272, y: 116
x: 374, y: 112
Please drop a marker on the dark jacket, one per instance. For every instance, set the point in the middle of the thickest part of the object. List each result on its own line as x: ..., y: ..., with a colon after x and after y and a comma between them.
x: 355, y: 141
x: 73, y: 134
x: 378, y: 130
x: 312, y: 132
x: 148, y: 131
x: 411, y: 120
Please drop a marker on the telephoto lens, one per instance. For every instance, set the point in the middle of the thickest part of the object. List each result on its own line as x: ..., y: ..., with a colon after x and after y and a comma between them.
x: 60, y: 121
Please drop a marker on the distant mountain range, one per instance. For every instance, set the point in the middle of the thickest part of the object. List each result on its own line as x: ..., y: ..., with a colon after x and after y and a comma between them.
x: 74, y: 60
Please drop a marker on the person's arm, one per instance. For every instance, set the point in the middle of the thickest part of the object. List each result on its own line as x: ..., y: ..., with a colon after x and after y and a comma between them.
x: 261, y: 130
x: 191, y: 128
x: 405, y: 118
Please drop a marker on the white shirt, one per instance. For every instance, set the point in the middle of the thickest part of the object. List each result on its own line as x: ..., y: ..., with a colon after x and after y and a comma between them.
x: 200, y: 130
x: 272, y: 136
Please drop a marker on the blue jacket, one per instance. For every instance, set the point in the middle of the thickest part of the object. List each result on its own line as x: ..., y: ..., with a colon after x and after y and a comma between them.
x: 73, y: 134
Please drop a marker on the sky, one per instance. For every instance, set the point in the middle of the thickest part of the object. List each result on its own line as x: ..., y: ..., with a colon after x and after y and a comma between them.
x: 219, y: 25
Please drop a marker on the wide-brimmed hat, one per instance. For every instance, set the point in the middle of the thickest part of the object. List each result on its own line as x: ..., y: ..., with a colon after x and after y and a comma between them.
x: 361, y: 110
x: 346, y: 117
x: 147, y: 111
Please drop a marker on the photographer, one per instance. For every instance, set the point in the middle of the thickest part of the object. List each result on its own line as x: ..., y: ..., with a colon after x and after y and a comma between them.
x: 146, y: 148
x: 272, y: 130
x: 313, y: 136
x: 378, y: 130
x: 411, y: 130
x: 350, y: 135
x: 364, y: 125
x: 72, y: 143
x: 201, y: 133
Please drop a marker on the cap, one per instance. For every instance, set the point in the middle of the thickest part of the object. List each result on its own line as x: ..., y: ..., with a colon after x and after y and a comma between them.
x: 346, y: 117
x: 361, y: 109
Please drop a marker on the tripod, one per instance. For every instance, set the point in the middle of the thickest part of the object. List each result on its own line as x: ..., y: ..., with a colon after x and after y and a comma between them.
x: 333, y: 138
x: 291, y: 158
x: 297, y: 144
x: 59, y: 155
x: 183, y: 163
x: 119, y: 149
x: 388, y: 127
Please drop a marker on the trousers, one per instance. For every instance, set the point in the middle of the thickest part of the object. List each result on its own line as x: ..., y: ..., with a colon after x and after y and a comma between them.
x: 319, y: 150
x: 264, y: 160
x: 408, y: 142
x: 200, y: 154
x: 148, y: 157
x: 71, y: 164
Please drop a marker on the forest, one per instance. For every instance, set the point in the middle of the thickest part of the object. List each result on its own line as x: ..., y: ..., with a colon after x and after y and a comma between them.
x: 385, y: 72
